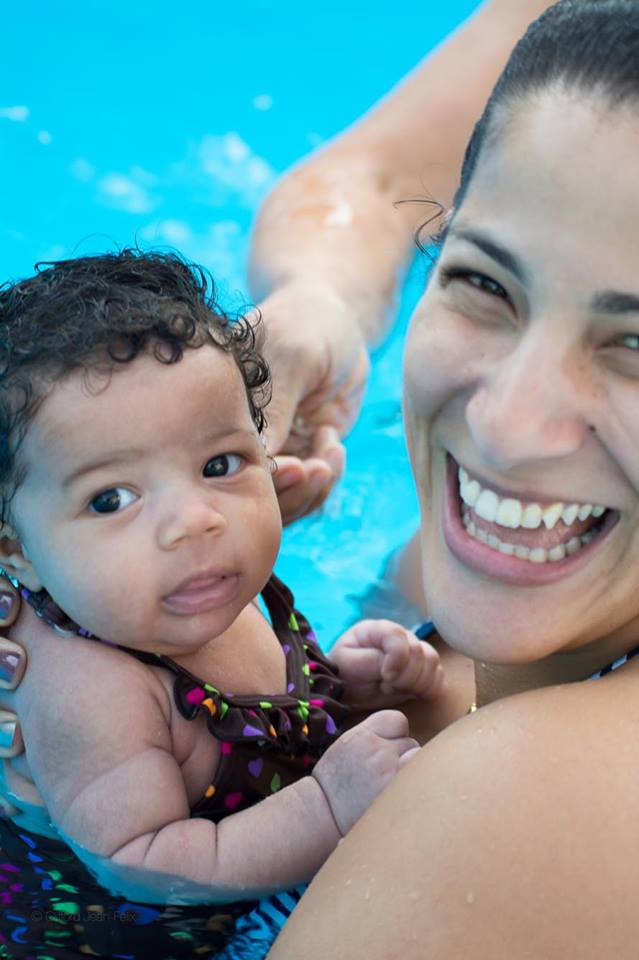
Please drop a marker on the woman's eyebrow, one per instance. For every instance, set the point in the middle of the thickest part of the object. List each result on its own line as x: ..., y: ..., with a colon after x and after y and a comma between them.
x: 614, y: 302
x: 510, y: 261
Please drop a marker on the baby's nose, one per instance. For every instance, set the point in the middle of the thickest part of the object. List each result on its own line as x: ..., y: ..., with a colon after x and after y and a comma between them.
x: 190, y: 518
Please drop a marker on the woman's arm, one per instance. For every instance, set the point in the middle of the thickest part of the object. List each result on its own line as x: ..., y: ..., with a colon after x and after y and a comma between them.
x: 330, y: 241
x: 513, y: 834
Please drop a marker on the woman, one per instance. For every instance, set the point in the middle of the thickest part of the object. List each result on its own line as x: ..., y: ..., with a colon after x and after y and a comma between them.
x: 335, y: 237
x: 513, y: 834
x: 510, y: 835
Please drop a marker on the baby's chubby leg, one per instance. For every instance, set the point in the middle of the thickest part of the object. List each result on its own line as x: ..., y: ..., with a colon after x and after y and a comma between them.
x: 357, y: 767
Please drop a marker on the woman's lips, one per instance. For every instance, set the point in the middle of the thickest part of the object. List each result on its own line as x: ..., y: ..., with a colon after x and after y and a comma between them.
x: 499, y: 566
x: 202, y: 594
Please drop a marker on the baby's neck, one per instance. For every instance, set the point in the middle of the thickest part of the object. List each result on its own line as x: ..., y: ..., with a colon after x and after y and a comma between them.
x: 246, y: 659
x: 49, y: 611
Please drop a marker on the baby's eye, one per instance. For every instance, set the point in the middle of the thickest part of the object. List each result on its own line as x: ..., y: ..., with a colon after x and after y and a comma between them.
x: 223, y: 465
x: 631, y: 341
x: 110, y: 501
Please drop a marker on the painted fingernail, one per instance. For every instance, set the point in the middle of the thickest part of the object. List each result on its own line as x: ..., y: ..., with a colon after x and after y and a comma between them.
x: 7, y: 734
x: 9, y: 662
x: 7, y: 600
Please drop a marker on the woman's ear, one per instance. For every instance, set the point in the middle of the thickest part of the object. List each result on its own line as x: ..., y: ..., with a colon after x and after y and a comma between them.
x: 15, y: 560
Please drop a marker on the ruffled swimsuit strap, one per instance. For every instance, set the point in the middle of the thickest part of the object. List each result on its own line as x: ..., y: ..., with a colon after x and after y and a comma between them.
x: 304, y: 720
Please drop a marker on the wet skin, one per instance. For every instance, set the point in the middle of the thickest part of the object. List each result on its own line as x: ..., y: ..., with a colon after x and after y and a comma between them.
x: 522, y: 362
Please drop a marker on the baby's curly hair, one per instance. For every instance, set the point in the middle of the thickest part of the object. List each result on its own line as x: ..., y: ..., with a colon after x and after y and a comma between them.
x: 93, y: 313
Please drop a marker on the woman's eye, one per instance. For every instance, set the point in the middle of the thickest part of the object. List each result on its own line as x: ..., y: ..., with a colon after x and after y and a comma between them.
x: 487, y: 285
x: 478, y: 280
x: 110, y: 501
x: 631, y: 341
x: 223, y: 466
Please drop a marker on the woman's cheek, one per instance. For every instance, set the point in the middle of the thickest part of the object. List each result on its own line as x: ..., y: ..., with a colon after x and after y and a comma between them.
x: 438, y: 362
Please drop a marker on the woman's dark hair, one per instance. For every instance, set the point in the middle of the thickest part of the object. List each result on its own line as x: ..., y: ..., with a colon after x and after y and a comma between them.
x: 94, y: 313
x: 589, y: 47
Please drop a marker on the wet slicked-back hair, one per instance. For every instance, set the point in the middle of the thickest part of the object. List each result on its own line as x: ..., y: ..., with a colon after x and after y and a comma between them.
x: 588, y: 47
x: 96, y: 313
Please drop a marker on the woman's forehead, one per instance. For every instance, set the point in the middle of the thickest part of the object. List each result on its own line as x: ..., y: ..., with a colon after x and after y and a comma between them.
x: 563, y: 168
x: 562, y: 131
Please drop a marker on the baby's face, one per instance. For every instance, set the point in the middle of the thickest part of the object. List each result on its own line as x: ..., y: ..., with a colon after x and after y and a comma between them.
x: 148, y: 509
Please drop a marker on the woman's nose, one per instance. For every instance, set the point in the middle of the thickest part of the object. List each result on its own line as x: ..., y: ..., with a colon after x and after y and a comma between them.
x: 530, y: 406
x: 189, y: 516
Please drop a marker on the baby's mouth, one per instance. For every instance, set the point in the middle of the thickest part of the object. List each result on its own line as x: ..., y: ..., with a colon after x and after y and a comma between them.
x: 536, y: 532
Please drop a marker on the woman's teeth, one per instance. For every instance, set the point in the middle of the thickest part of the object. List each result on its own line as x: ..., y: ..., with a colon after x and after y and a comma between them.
x: 508, y: 512
x: 512, y: 513
x: 534, y: 555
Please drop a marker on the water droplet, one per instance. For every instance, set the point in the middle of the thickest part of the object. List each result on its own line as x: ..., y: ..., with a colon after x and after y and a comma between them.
x: 470, y: 898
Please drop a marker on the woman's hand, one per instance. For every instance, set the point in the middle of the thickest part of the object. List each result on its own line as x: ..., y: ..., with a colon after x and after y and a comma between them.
x: 19, y: 797
x: 319, y: 366
x: 13, y: 661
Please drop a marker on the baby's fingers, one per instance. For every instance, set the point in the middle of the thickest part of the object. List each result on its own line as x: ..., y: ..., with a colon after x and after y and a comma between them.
x: 390, y: 724
x: 409, y: 754
x: 360, y: 665
x: 421, y: 674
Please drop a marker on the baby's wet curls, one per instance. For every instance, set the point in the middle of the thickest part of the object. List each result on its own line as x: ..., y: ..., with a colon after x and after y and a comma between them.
x: 94, y: 314
x: 142, y: 523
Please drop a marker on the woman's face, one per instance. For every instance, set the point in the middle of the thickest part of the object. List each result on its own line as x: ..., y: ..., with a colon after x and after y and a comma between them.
x: 522, y: 368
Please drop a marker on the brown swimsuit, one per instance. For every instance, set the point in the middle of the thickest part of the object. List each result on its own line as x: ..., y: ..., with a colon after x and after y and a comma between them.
x: 52, y: 908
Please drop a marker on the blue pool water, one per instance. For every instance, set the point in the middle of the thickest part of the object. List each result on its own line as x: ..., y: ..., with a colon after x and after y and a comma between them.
x: 166, y: 124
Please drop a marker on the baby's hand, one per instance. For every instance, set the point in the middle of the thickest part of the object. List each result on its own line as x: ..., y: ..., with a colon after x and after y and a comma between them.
x: 383, y: 664
x: 357, y: 767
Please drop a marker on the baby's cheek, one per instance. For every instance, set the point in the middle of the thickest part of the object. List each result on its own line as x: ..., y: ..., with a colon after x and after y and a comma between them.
x: 100, y: 597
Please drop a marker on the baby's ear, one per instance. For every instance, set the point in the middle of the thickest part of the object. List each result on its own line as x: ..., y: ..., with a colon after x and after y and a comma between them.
x: 15, y: 560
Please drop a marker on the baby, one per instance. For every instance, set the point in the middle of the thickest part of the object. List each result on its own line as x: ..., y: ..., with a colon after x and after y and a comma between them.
x: 174, y: 731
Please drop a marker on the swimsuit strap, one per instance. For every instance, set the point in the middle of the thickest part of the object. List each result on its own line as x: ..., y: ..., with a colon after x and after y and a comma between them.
x: 48, y: 610
x: 615, y: 664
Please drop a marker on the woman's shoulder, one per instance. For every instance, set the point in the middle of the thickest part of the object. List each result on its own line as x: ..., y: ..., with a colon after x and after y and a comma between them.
x: 515, y: 831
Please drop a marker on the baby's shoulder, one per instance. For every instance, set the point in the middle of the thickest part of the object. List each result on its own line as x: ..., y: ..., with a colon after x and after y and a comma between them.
x: 77, y: 673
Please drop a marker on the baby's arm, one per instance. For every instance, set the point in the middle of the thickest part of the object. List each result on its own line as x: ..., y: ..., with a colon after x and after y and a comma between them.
x: 112, y: 784
x: 382, y: 664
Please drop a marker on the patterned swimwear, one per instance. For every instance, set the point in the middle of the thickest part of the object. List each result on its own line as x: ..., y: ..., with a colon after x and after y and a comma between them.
x: 52, y: 906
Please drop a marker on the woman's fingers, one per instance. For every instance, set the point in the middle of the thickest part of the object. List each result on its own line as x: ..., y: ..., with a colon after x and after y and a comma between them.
x: 9, y: 603
x: 11, y: 742
x: 21, y: 800
x: 7, y: 809
x: 302, y: 485
x: 13, y: 662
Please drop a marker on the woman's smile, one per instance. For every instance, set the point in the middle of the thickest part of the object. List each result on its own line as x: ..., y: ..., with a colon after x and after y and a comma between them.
x: 522, y: 382
x: 516, y: 541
